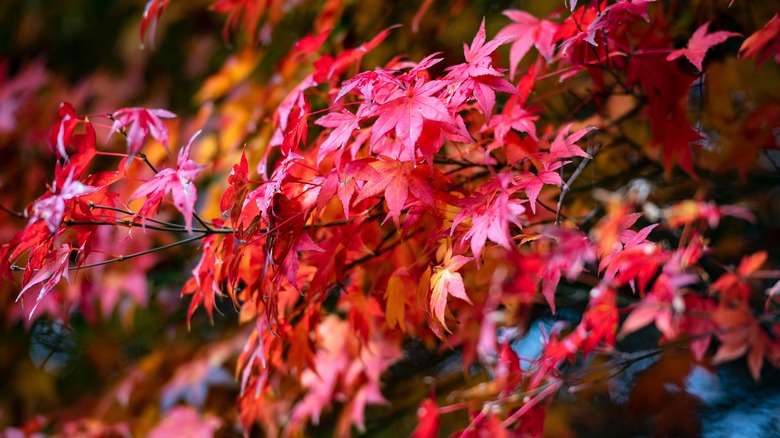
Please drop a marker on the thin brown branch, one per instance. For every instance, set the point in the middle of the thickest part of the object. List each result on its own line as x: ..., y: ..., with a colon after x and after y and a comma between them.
x: 12, y: 212
x: 572, y: 178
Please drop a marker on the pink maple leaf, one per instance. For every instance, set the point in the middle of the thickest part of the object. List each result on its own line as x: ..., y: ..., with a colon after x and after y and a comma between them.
x: 343, y: 124
x: 51, y: 209
x: 490, y: 215
x: 140, y: 123
x: 570, y: 256
x: 405, y: 111
x: 528, y: 31
x: 700, y: 42
x: 478, y: 53
x: 185, y: 421
x: 343, y: 370
x: 366, y: 82
x: 514, y: 116
x: 533, y: 183
x: 477, y: 77
x: 564, y: 145
x: 178, y: 182
x: 17, y: 89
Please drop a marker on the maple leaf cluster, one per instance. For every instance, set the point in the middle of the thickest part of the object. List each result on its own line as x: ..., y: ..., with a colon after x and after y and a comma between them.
x: 435, y: 200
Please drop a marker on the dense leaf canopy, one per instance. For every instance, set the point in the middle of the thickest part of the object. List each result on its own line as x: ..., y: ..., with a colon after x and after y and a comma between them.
x: 335, y: 217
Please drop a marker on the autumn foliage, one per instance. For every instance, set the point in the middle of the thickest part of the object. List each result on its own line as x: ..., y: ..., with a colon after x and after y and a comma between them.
x: 343, y: 205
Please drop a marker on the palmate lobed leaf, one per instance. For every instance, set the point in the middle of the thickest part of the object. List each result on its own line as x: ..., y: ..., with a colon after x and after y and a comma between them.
x: 699, y: 44
x: 395, y: 180
x: 528, y: 31
x: 54, y: 266
x: 139, y: 124
x: 446, y: 282
x: 764, y: 43
x: 178, y: 182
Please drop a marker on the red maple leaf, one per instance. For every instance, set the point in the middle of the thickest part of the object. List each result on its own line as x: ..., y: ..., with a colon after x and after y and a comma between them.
x: 764, y: 43
x: 282, y: 116
x: 634, y: 7
x: 636, y: 259
x: 140, y: 123
x: 490, y: 213
x: 698, y: 324
x: 152, y: 13
x: 204, y: 283
x: 741, y: 332
x: 576, y: 29
x: 289, y: 267
x: 59, y: 136
x: 55, y: 265
x: 428, y: 416
x: 514, y: 116
x: 309, y: 45
x: 405, y: 111
x: 700, y: 42
x: 600, y: 319
x: 232, y: 200
x: 341, y: 183
x: 396, y: 179
x: 477, y: 77
x: 85, y: 152
x: 247, y: 11
x: 659, y: 305
x: 616, y: 14
x: 178, y: 182
x: 528, y: 31
x: 572, y: 252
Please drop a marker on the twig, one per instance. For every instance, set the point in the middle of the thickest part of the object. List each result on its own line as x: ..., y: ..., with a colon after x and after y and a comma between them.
x: 134, y: 214
x: 12, y: 212
x: 138, y: 254
x: 131, y: 224
x: 122, y: 258
x: 572, y: 178
x: 541, y: 395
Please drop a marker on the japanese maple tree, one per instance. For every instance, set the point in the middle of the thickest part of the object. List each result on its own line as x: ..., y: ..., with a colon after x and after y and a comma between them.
x: 342, y: 207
